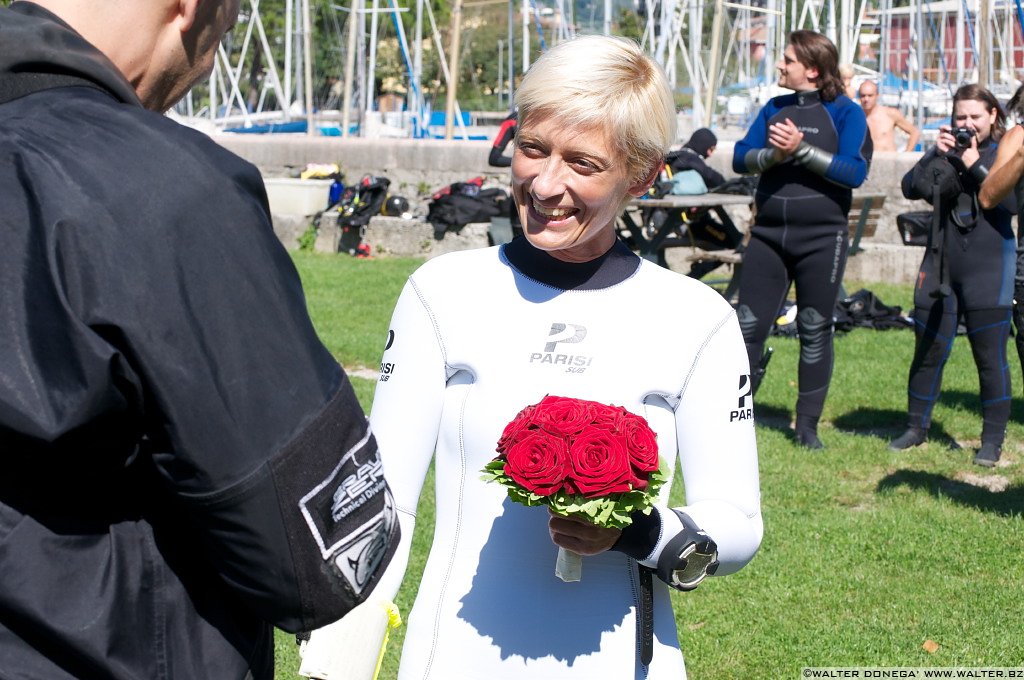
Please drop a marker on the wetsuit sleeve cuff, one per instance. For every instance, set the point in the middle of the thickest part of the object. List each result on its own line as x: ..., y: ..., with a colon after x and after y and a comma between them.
x: 814, y: 159
x: 640, y: 538
x: 978, y: 171
x: 759, y: 160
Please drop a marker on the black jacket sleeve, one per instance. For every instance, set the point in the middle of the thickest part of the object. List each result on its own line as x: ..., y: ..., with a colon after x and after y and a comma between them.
x: 253, y: 426
x: 170, y: 328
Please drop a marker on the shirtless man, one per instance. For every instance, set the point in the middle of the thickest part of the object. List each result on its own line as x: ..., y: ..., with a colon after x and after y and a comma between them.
x: 883, y: 121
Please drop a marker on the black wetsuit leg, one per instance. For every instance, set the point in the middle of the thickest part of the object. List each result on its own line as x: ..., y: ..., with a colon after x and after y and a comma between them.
x: 814, y: 259
x: 818, y: 275
x: 935, y: 321
x: 980, y: 270
x: 988, y: 331
x: 764, y: 282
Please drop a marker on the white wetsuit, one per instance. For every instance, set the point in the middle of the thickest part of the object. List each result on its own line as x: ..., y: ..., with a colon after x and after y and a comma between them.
x: 473, y: 340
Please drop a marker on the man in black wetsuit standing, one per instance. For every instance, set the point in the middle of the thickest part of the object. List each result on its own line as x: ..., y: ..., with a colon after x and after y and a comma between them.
x: 809, y: 148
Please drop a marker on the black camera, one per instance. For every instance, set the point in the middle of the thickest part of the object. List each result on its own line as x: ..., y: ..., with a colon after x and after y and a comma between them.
x: 962, y: 136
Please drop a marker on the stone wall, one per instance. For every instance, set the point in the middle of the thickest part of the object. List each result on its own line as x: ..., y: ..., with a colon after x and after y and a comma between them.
x: 416, y: 168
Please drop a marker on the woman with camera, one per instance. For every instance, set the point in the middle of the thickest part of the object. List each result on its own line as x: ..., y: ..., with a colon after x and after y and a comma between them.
x: 967, y: 270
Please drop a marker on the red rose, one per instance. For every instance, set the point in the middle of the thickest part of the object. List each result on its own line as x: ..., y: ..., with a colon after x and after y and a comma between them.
x: 537, y: 461
x: 642, y: 444
x: 609, y: 417
x: 600, y: 463
x: 564, y: 416
x: 522, y: 420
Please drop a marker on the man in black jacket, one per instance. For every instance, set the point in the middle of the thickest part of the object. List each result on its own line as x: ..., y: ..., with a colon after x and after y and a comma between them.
x: 184, y: 463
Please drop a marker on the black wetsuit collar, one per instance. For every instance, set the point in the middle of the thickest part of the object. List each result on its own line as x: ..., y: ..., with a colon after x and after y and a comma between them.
x: 37, y: 45
x: 808, y: 98
x: 614, y: 267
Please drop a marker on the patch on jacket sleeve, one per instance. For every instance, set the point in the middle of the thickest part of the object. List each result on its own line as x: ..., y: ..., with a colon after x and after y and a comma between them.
x: 340, y: 515
x: 351, y: 514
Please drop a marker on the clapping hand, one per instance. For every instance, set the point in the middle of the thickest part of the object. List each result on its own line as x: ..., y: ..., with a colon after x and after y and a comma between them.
x: 785, y: 138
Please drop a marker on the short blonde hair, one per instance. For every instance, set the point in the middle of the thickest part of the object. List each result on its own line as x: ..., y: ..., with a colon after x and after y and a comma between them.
x: 607, y: 82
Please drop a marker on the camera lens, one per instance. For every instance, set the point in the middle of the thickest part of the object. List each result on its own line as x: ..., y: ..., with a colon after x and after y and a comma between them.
x: 963, y: 137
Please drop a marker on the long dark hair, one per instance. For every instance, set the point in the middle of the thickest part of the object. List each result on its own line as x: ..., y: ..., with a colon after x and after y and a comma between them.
x: 1015, y: 106
x: 814, y: 50
x: 977, y: 93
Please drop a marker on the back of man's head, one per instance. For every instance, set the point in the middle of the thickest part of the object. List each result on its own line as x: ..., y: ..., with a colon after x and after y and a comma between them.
x: 162, y: 47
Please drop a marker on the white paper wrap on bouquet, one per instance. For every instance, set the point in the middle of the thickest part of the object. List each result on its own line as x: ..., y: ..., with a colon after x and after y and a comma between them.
x: 569, y: 565
x: 353, y: 647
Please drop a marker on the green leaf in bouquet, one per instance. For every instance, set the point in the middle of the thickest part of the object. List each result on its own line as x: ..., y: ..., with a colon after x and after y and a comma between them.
x: 494, y: 471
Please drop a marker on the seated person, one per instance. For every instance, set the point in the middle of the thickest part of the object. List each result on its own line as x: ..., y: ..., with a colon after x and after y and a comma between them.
x: 692, y: 156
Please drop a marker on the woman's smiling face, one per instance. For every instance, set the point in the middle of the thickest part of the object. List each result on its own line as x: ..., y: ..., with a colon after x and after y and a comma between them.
x: 569, y: 185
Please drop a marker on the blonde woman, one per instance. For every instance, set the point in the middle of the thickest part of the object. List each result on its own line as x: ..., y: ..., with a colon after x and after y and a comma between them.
x: 478, y: 335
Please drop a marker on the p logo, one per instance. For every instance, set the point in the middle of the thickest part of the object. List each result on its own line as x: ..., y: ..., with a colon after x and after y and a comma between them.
x: 562, y: 332
x: 744, y: 390
x: 744, y: 409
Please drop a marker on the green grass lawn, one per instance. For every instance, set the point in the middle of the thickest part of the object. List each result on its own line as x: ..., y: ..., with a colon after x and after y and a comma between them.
x: 867, y: 553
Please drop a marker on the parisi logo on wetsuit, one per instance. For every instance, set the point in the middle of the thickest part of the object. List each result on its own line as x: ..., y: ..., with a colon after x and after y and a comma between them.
x: 563, y: 333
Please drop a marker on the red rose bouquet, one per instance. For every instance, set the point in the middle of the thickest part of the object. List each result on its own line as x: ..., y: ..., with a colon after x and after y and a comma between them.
x: 581, y: 458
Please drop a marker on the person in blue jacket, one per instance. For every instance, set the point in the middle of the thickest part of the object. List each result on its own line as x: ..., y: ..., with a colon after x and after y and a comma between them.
x: 811, y: 148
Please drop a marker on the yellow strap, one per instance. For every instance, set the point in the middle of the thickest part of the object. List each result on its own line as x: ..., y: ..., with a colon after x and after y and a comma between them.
x: 394, y: 621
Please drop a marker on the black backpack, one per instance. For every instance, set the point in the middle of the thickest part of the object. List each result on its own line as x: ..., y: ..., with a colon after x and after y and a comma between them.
x: 358, y: 203
x: 863, y: 309
x: 460, y: 203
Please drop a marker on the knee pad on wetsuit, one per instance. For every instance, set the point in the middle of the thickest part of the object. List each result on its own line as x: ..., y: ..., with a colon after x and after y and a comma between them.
x: 748, y: 323
x: 815, y: 333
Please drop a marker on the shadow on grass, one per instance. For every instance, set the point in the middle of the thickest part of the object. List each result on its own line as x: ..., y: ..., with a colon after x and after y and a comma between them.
x: 773, y: 418
x: 1006, y: 502
x: 887, y: 424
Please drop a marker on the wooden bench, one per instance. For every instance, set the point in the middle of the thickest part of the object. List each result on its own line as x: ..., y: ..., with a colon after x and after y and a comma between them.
x: 865, y: 214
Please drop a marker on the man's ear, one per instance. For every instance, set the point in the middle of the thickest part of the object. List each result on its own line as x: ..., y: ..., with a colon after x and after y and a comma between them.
x: 812, y: 74
x: 641, y: 187
x: 187, y: 11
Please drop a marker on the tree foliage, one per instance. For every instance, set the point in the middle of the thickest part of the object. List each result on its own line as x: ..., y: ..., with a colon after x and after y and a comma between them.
x: 483, y: 82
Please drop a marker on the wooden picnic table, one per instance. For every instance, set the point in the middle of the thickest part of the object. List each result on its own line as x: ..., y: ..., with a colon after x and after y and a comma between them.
x: 651, y: 240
